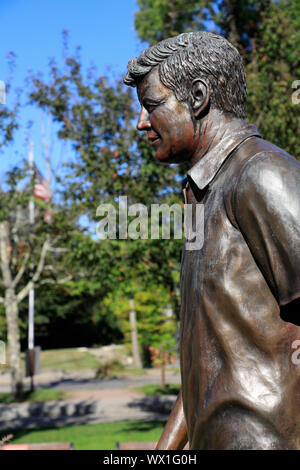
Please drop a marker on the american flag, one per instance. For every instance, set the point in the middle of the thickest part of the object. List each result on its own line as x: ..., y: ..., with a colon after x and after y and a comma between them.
x: 42, y: 188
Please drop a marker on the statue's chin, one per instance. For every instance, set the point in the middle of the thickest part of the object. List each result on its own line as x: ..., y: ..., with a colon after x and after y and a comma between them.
x: 169, y: 159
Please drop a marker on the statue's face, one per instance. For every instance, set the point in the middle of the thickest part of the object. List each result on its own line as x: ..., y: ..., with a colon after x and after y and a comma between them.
x: 166, y: 120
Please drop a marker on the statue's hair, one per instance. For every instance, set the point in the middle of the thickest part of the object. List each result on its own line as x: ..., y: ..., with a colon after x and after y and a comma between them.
x: 203, y: 55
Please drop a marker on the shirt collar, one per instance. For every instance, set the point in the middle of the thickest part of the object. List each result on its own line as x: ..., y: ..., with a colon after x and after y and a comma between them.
x: 204, y: 171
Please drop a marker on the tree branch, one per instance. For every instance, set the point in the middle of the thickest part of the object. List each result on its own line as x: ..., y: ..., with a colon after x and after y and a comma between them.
x: 21, y: 270
x: 24, y: 292
x: 57, y: 281
x: 4, y: 258
x: 16, y: 225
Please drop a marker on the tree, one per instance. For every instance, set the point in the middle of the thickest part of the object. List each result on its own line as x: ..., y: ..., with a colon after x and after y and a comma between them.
x: 155, y: 322
x: 24, y: 259
x: 271, y: 73
x: 159, y: 19
x: 113, y: 159
x: 237, y: 21
x: 134, y: 335
x: 8, y: 115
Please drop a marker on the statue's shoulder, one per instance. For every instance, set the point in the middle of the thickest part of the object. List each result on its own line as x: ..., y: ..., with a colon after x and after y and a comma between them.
x: 261, y: 174
x: 256, y: 161
x: 256, y: 154
x: 264, y: 165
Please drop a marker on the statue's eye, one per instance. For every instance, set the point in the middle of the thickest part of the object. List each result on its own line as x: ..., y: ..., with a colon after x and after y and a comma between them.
x: 150, y: 107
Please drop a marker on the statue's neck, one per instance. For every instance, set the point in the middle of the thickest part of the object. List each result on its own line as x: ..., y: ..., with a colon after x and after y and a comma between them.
x: 212, y: 129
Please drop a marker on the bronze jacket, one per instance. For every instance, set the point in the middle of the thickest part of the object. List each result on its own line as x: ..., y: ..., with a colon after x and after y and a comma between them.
x: 240, y: 299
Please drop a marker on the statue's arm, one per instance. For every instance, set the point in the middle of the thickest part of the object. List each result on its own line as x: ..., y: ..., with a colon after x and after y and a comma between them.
x: 269, y: 222
x: 174, y: 436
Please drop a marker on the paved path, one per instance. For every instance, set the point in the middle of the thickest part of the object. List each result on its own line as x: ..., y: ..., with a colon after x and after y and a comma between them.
x: 92, y: 401
x: 85, y: 379
x: 115, y: 407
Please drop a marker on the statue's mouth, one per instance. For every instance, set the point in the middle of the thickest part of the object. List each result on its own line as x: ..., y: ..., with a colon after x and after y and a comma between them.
x: 154, y: 138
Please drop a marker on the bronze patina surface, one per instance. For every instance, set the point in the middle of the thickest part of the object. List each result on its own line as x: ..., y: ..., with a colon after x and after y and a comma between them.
x: 240, y: 291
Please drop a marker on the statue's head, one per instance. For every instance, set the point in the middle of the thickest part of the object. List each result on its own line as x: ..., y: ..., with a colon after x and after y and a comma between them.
x: 201, y: 71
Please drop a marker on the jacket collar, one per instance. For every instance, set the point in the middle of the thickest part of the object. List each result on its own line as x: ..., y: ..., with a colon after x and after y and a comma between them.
x: 204, y: 171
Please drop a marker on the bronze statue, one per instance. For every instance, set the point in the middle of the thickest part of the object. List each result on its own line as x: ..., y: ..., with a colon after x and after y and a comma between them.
x: 240, y: 292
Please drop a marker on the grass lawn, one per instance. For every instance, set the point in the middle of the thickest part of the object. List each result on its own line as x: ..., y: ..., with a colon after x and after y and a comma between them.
x: 74, y: 359
x: 39, y: 395
x: 91, y: 436
x: 71, y: 359
x: 68, y: 359
x: 156, y: 390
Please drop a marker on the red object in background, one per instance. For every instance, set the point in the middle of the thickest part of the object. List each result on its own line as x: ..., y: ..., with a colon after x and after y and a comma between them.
x: 47, y: 216
x: 41, y: 187
x: 154, y: 355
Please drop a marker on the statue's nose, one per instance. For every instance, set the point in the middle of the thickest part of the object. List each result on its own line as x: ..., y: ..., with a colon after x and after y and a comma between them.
x: 143, y: 122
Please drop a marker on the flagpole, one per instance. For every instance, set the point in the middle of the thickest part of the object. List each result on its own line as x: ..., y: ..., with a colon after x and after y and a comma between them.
x: 31, y: 291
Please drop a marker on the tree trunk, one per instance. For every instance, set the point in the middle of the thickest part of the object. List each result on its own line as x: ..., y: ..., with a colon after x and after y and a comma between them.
x: 163, y: 370
x: 134, y: 337
x: 13, y: 337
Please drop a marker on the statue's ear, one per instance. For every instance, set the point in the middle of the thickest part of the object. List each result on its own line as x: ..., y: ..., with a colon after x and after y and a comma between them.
x: 200, y: 97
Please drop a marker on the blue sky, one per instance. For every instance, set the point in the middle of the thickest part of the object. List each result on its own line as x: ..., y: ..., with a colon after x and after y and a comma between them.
x: 32, y: 29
